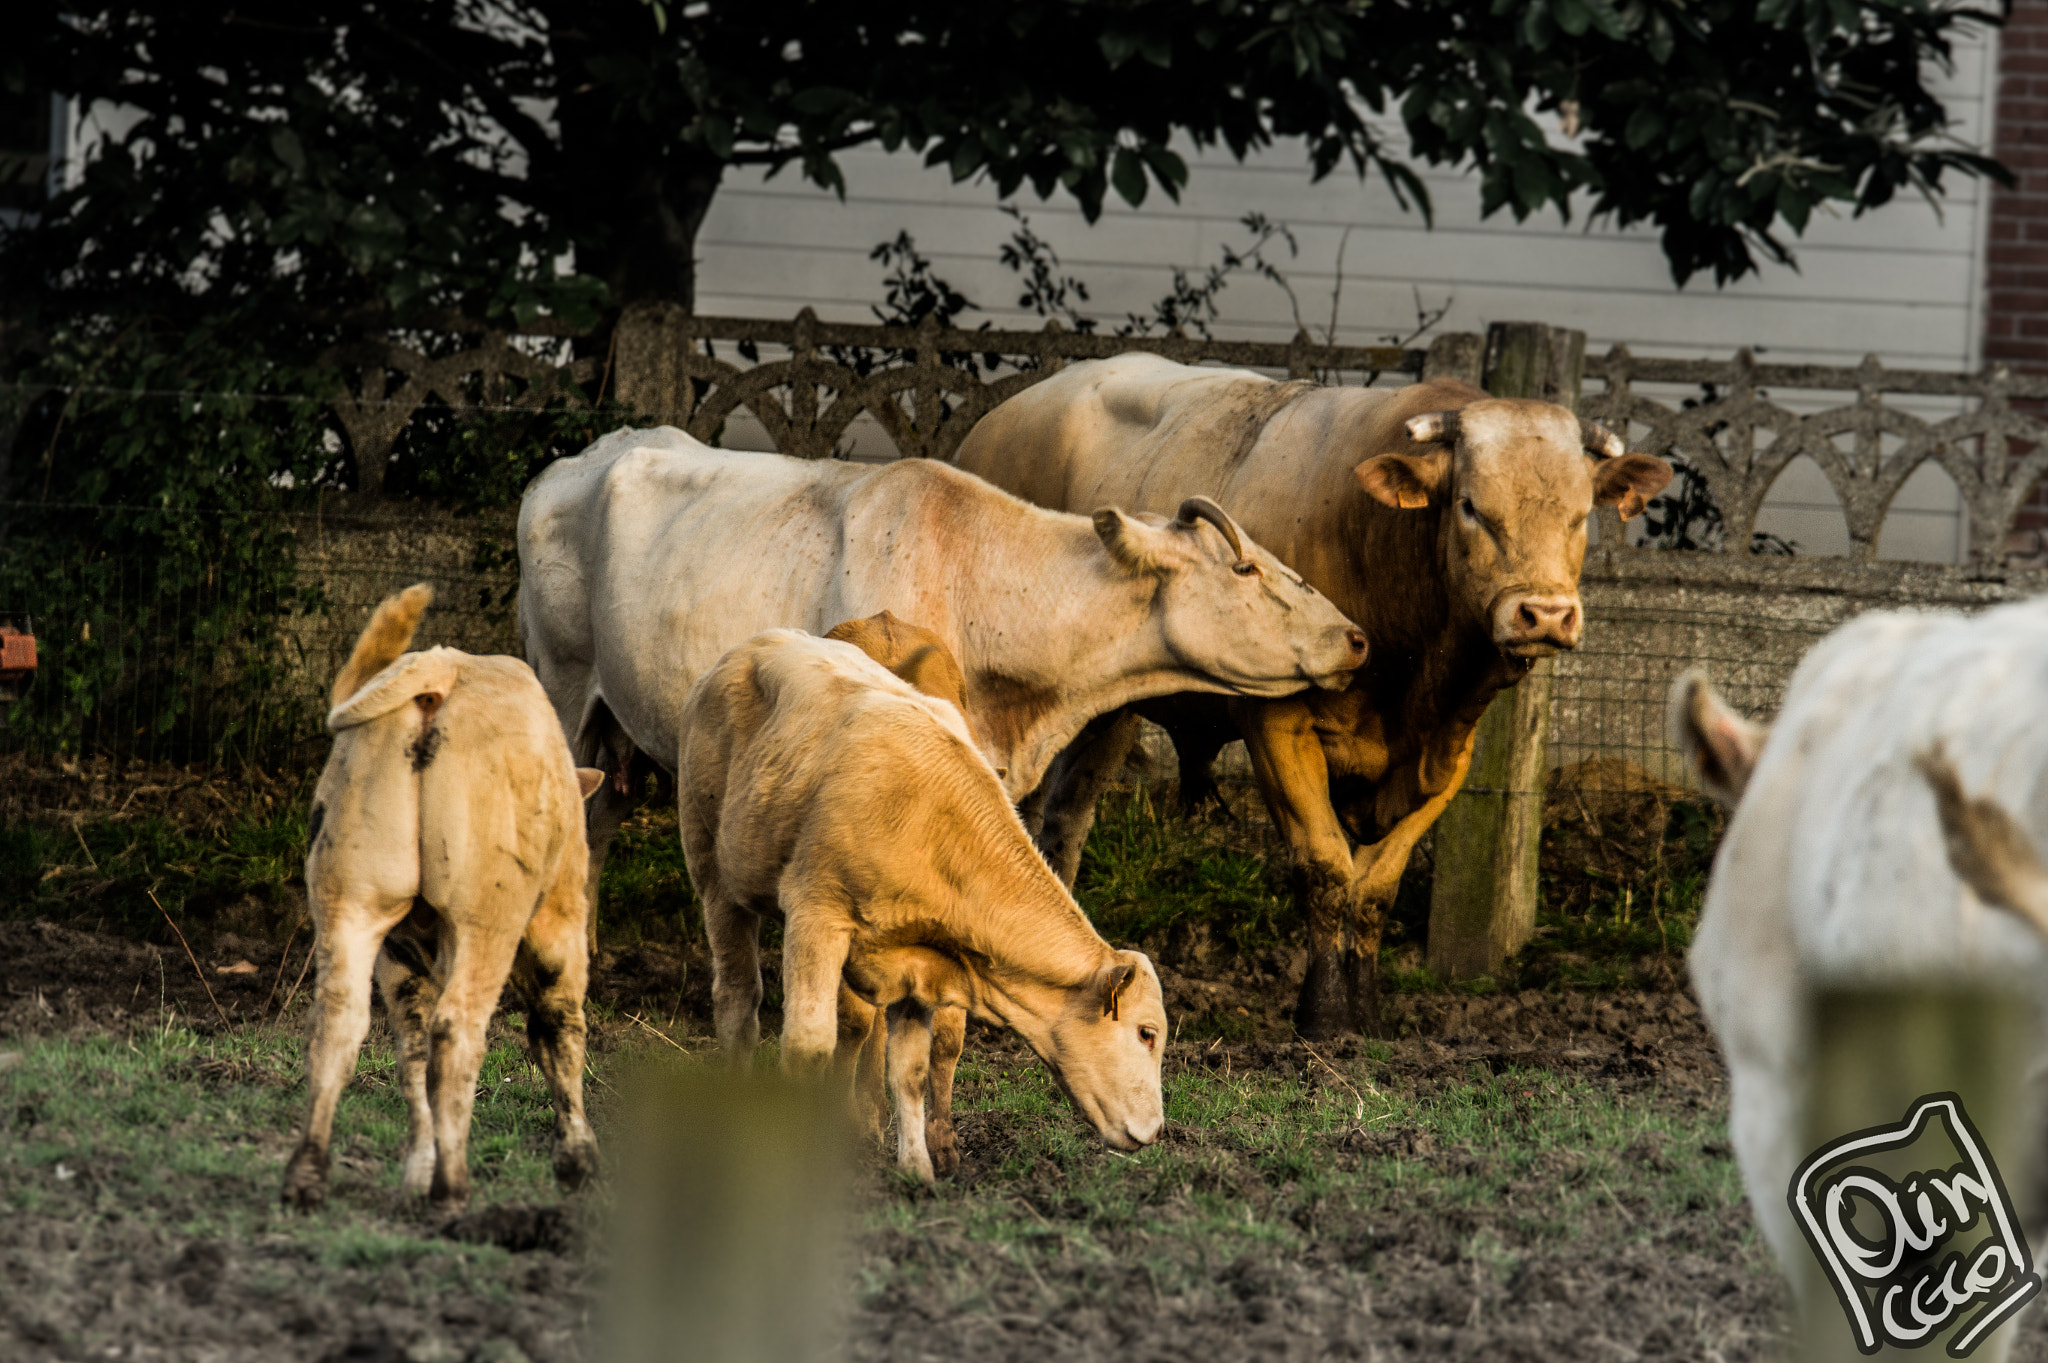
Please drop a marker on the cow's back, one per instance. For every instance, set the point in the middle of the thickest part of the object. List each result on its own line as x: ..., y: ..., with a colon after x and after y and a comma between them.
x: 1145, y: 433
x: 796, y: 748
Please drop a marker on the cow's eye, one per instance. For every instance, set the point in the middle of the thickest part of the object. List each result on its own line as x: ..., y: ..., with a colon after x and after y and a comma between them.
x: 1149, y: 1035
x: 1470, y: 511
x: 1244, y: 567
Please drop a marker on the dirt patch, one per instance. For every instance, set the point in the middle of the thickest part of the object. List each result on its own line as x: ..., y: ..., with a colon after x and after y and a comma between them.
x: 57, y: 981
x: 114, y: 1276
x: 1398, y: 1285
x: 54, y: 791
x: 1611, y: 829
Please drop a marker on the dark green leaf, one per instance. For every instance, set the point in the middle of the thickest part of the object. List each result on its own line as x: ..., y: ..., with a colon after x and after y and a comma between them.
x: 1128, y: 175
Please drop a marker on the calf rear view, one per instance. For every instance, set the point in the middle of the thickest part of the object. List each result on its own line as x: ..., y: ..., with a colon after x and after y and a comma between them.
x: 446, y: 850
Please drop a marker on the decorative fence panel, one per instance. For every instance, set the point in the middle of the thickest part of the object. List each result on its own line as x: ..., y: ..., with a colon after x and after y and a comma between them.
x: 1742, y: 440
x: 807, y: 383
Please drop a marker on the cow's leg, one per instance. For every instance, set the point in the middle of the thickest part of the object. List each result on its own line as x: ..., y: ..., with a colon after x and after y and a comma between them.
x: 349, y: 932
x: 733, y: 933
x: 1031, y: 809
x: 859, y: 1036
x: 479, y: 953
x: 814, y: 947
x: 1287, y: 758
x: 949, y: 1038
x: 1199, y: 726
x: 910, y: 1057
x: 1076, y: 782
x: 604, y: 745
x: 405, y: 978
x: 553, y: 971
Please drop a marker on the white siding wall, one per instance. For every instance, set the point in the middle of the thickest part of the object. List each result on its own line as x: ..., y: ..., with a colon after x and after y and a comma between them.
x: 1904, y: 283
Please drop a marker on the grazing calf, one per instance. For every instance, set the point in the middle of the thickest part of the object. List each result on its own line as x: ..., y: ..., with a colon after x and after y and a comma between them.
x: 920, y: 657
x: 817, y: 785
x: 1853, y: 853
x: 447, y: 847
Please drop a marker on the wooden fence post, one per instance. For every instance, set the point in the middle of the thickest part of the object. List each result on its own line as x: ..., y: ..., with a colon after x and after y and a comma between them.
x: 1483, y: 902
x: 1877, y: 1051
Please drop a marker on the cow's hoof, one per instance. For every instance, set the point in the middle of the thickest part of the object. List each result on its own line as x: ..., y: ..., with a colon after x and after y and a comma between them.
x: 305, y: 1182
x: 944, y: 1146
x: 1324, y: 1010
x: 419, y: 1170
x: 448, y: 1196
x: 575, y: 1164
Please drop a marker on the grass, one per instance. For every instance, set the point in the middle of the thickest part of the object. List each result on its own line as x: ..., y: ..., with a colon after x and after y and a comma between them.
x: 188, y: 1136
x: 1268, y: 1165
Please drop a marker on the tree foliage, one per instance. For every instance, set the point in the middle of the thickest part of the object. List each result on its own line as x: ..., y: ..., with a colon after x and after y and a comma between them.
x: 325, y: 158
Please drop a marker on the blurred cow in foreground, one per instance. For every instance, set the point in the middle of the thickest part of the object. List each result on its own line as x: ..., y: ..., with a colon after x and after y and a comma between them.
x: 818, y: 786
x: 446, y: 854
x: 1450, y: 525
x: 1883, y: 834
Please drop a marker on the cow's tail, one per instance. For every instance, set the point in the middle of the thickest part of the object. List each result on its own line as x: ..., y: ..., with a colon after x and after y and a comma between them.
x: 369, y: 684
x: 1987, y: 848
x: 388, y: 634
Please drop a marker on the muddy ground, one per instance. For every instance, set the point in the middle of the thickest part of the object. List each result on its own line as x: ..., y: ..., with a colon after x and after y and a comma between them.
x: 1380, y: 1281
x: 1271, y: 1230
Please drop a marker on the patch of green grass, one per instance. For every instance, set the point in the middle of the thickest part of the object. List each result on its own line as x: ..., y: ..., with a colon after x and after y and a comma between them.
x: 1264, y: 1164
x: 192, y: 1134
x: 1148, y: 873
x: 646, y: 891
x: 245, y: 875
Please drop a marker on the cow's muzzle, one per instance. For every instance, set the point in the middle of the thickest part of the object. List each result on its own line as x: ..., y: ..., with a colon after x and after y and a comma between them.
x: 1537, y: 626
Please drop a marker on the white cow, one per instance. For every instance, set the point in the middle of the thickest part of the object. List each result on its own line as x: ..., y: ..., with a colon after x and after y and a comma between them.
x: 648, y: 556
x: 1834, y: 866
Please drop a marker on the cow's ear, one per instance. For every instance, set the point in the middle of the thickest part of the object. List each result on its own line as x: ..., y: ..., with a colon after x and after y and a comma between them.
x: 1628, y: 483
x: 1721, y: 745
x: 1110, y: 984
x: 589, y: 779
x: 1405, y: 482
x: 1139, y: 547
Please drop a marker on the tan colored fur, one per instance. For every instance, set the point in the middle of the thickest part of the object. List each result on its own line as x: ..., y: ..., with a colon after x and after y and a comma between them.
x: 388, y: 634
x: 817, y: 786
x: 646, y: 557
x: 447, y: 855
x: 1459, y: 560
x: 919, y: 657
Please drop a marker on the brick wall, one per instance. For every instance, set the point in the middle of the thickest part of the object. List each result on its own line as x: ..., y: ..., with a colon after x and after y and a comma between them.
x: 2016, y: 294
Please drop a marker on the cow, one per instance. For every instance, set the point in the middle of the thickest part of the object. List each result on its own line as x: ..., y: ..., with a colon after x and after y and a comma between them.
x: 920, y: 657
x: 1450, y: 525
x: 446, y: 854
x: 645, y: 558
x: 1883, y: 831
x: 816, y: 785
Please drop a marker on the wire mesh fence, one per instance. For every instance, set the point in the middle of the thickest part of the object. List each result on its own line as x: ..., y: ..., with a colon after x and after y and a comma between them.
x: 1608, y: 697
x: 212, y: 668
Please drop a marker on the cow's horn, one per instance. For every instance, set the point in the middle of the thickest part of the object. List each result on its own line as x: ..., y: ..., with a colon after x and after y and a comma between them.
x: 1202, y: 509
x: 1599, y: 440
x: 1433, y: 428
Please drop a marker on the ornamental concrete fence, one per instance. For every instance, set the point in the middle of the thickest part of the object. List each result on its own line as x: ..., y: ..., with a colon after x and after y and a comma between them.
x: 828, y: 390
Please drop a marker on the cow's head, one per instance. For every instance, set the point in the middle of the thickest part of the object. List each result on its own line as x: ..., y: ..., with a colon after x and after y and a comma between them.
x: 1228, y: 609
x: 1512, y: 482
x: 1106, y: 1047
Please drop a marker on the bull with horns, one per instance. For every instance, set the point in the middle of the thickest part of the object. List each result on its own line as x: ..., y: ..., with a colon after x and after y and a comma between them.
x: 1451, y: 526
